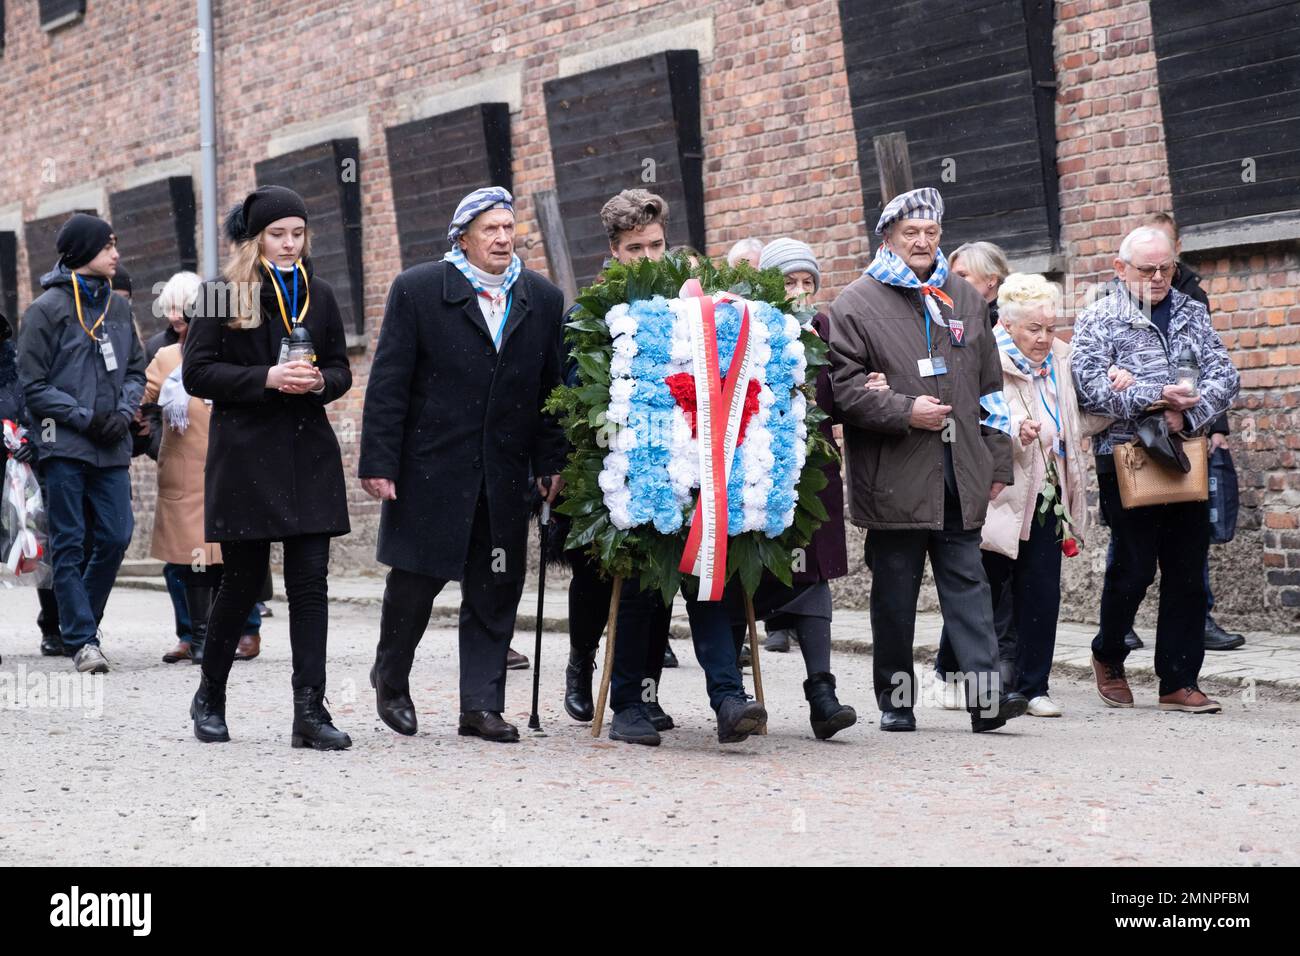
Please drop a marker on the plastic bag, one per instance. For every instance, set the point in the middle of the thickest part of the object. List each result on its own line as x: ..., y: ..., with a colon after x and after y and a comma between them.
x: 24, y: 543
x: 1224, y: 500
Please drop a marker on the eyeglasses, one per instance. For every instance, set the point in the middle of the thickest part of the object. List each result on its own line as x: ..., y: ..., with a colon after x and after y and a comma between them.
x: 1149, y: 272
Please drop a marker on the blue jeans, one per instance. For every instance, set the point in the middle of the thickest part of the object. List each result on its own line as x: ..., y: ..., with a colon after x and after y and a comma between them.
x: 72, y: 487
x: 174, y: 575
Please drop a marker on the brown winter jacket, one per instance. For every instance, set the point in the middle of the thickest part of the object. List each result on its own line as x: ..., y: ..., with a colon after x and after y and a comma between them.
x: 895, y: 472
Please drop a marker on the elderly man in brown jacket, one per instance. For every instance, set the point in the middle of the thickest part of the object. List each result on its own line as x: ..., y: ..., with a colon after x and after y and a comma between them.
x: 923, y: 458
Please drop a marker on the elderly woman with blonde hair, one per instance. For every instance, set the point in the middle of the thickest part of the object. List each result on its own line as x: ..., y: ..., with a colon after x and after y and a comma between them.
x: 1043, y: 514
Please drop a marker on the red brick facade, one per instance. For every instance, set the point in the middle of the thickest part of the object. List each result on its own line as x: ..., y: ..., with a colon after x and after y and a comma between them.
x: 93, y: 102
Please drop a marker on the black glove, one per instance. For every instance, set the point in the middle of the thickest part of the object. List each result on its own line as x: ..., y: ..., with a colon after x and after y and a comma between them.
x: 26, y: 453
x: 107, y: 429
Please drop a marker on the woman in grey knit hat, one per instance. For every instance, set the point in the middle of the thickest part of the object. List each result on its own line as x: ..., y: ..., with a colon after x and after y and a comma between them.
x: 795, y: 259
x: 804, y: 609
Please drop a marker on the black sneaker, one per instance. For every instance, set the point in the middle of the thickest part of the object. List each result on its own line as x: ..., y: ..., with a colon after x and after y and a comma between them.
x: 1132, y: 641
x: 632, y: 726
x: 52, y: 646
x: 656, y: 715
x: 738, y: 717
x: 670, y: 659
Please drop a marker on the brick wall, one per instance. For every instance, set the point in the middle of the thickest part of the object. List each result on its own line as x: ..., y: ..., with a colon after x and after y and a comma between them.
x: 780, y: 157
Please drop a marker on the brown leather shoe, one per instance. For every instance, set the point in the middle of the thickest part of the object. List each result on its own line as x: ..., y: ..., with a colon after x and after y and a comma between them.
x: 181, y: 652
x: 488, y: 725
x: 1112, y: 686
x: 516, y: 661
x: 1189, y: 700
x: 250, y: 645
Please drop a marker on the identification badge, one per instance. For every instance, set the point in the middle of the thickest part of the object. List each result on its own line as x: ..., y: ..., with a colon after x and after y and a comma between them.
x: 284, y: 351
x: 110, y: 359
x: 957, y: 332
x: 930, y: 367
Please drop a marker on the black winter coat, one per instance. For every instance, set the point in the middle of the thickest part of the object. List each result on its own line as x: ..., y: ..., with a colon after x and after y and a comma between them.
x: 274, y: 469
x: 447, y: 415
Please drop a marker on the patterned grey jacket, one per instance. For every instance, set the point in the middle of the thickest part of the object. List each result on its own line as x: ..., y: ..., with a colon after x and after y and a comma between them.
x: 1115, y: 331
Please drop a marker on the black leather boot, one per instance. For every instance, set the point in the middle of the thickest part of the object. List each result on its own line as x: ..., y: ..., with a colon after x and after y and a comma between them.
x: 395, y: 709
x: 311, y: 721
x: 208, y: 711
x: 827, y: 715
x: 577, y: 685
x: 198, y: 598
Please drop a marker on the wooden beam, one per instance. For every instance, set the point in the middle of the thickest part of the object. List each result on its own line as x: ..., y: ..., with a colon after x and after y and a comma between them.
x: 555, y: 242
x: 894, y: 165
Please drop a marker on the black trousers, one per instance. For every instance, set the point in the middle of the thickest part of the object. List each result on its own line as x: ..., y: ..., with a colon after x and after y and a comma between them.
x: 1175, y: 538
x: 897, y: 562
x: 643, y: 621
x: 643, y: 611
x: 1026, y: 593
x: 306, y: 570
x: 488, y: 606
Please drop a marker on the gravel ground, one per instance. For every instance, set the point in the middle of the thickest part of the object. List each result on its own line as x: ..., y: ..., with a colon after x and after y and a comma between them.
x: 116, y: 777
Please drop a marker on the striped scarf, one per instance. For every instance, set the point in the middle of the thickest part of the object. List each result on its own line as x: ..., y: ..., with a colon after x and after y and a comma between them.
x: 995, y: 403
x: 889, y: 268
x: 457, y: 258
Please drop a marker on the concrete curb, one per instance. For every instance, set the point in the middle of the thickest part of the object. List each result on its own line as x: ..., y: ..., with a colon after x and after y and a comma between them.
x: 526, y: 623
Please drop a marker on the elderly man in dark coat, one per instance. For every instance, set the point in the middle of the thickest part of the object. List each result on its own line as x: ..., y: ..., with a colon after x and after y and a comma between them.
x: 923, y: 457
x: 452, y: 434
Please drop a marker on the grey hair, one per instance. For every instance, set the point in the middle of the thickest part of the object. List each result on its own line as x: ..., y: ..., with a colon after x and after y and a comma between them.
x: 983, y: 258
x: 181, y: 293
x: 1142, y: 234
x: 744, y: 248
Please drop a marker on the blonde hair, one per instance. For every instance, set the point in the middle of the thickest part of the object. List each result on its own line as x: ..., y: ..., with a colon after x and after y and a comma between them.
x: 982, y: 258
x: 244, y: 273
x: 181, y: 293
x: 1026, y: 292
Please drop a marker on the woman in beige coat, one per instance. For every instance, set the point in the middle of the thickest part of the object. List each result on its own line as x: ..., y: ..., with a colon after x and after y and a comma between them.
x: 178, y: 535
x: 1044, y: 513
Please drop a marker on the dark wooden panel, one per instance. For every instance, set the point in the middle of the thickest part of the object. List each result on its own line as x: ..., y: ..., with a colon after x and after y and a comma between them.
x: 327, y: 176
x: 1230, y: 91
x: 38, y: 236
x: 435, y: 162
x: 154, y: 224
x: 971, y: 82
x: 61, y: 11
x: 604, y: 125
x: 9, y: 273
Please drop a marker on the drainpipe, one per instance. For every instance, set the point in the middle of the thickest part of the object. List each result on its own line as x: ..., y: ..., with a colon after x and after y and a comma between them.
x: 208, y: 140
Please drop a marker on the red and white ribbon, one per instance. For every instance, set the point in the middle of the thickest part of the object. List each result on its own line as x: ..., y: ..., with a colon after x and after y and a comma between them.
x: 719, y: 409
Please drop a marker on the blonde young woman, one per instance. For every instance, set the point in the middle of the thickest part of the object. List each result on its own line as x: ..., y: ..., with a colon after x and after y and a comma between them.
x: 274, y: 470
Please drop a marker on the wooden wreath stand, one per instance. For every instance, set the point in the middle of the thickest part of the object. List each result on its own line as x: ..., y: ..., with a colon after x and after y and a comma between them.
x: 611, y: 632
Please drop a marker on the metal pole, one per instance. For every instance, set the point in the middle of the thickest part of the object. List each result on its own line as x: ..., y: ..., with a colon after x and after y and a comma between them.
x: 208, y: 140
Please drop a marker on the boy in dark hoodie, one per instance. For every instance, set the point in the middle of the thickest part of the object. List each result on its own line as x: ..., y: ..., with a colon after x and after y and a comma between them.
x: 82, y: 369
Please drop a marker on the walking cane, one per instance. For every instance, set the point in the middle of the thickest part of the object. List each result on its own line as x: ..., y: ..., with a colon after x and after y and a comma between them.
x: 533, y: 722
x: 753, y: 654
x: 598, y: 719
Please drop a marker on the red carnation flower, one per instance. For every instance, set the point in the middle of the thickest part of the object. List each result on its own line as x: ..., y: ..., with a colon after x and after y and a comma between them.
x: 1070, y: 547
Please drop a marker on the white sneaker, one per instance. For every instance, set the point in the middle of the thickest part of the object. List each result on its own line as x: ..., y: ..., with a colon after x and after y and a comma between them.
x: 951, y: 695
x: 90, y: 659
x: 1044, y: 706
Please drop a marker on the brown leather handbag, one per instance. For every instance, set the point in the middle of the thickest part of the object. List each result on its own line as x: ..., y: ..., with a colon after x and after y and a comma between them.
x: 1144, y: 480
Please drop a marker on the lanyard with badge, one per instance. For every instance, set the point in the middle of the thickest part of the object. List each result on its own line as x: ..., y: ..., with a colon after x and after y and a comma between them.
x: 932, y: 365
x: 281, y: 294
x: 1058, y: 444
x: 104, y: 345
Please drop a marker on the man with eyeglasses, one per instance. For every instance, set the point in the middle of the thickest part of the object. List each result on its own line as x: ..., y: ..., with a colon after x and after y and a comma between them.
x: 1144, y: 325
